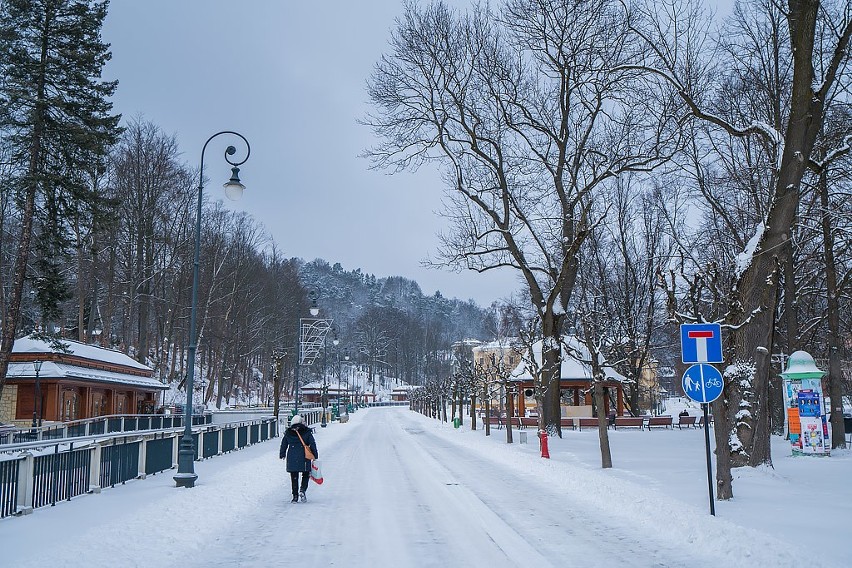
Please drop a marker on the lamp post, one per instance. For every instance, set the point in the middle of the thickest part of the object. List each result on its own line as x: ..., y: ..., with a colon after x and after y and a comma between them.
x: 324, y: 397
x: 278, y: 361
x: 348, y: 386
x: 305, y: 334
x: 186, y: 476
x: 37, y: 401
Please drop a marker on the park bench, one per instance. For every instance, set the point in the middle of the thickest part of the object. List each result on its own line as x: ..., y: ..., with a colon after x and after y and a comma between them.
x: 686, y: 421
x: 527, y: 421
x: 629, y: 422
x: 665, y: 421
x: 700, y: 423
x: 495, y: 421
x: 515, y: 421
x: 586, y: 422
x: 566, y: 423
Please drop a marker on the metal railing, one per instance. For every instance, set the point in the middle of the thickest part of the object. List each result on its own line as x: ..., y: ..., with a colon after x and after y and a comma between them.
x: 42, y: 473
x: 100, y: 425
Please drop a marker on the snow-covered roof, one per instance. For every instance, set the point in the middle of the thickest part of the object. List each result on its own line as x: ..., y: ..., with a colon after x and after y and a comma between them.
x: 505, y: 343
x: 92, y: 352
x: 318, y: 385
x: 53, y: 370
x: 572, y: 367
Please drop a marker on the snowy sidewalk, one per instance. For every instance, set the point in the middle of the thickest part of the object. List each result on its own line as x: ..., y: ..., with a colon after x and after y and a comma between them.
x: 404, y: 490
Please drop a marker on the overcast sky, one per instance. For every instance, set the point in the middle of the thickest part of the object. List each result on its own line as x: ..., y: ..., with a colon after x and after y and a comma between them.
x: 290, y: 76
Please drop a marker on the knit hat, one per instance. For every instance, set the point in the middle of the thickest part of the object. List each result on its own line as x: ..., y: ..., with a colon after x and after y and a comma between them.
x: 297, y: 419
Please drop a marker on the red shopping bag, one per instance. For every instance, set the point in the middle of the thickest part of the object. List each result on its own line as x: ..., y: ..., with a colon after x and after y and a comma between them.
x: 316, y: 472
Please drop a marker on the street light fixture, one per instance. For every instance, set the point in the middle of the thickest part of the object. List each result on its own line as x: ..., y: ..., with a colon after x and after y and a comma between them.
x: 312, y: 332
x: 37, y: 401
x: 186, y: 476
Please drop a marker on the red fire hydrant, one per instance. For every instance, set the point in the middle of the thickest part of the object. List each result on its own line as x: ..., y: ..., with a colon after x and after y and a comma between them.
x: 542, y: 436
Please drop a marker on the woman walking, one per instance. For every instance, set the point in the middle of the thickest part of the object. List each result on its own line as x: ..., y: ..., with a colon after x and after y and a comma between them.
x: 297, y: 439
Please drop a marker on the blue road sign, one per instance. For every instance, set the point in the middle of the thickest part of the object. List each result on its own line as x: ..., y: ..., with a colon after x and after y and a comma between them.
x: 701, y: 343
x: 702, y: 383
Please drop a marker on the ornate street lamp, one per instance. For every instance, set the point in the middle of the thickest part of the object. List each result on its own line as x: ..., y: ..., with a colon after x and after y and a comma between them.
x: 37, y: 402
x: 186, y: 476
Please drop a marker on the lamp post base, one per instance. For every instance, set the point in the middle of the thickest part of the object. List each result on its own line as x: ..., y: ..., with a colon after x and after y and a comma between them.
x: 185, y: 479
x: 186, y: 476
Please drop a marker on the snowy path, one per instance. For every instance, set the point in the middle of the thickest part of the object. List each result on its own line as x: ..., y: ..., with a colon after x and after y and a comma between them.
x: 398, y: 495
x: 401, y: 490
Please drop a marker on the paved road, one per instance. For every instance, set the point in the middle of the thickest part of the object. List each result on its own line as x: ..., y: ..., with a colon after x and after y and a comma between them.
x: 401, y: 491
x: 397, y: 494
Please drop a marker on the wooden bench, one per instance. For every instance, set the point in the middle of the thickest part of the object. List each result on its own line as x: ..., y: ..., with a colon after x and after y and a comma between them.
x: 687, y: 421
x: 665, y: 421
x: 516, y: 422
x: 566, y: 423
x: 629, y: 422
x: 586, y: 422
x: 494, y: 421
x: 526, y: 421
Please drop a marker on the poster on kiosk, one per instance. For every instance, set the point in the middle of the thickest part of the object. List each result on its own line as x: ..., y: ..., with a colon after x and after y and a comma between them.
x: 805, y: 405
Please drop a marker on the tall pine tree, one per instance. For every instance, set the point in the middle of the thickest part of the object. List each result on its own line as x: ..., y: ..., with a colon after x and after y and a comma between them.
x: 55, y: 118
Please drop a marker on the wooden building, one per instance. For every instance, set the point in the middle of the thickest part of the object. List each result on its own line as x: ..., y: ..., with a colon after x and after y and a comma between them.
x: 400, y: 393
x: 312, y: 392
x: 79, y: 381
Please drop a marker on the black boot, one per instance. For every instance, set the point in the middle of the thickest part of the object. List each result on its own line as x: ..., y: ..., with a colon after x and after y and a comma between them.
x: 295, y: 499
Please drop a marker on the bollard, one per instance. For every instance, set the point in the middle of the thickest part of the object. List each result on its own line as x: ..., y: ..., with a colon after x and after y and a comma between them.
x: 522, y: 437
x: 542, y: 436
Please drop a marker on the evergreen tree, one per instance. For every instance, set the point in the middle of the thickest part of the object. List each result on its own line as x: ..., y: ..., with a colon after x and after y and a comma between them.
x: 55, y: 118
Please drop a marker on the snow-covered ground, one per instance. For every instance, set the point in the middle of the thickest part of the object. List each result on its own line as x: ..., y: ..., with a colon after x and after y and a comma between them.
x: 405, y: 490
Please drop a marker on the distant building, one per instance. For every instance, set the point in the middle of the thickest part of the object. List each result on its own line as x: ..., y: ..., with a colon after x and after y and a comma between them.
x: 400, y: 393
x: 507, y: 351
x: 83, y: 381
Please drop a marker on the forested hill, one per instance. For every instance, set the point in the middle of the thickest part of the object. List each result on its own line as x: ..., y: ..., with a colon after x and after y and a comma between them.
x: 390, y: 319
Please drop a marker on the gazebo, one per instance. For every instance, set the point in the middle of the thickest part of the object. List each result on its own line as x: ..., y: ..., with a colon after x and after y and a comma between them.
x: 575, y: 381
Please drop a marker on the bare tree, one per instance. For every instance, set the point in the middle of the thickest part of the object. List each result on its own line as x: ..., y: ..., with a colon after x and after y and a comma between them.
x: 818, y: 52
x: 529, y: 116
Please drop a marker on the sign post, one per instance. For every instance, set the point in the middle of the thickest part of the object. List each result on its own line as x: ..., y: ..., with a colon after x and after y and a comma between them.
x: 702, y: 344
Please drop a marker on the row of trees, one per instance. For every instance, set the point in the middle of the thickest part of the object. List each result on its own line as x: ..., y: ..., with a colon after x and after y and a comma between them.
x: 96, y: 237
x: 639, y: 165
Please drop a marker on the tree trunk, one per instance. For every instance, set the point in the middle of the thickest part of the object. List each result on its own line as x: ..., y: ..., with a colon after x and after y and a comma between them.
x: 835, y: 342
x: 12, y: 316
x: 510, y: 411
x: 487, y: 402
x: 13, y: 312
x: 746, y: 433
x: 548, y: 388
x: 603, y: 433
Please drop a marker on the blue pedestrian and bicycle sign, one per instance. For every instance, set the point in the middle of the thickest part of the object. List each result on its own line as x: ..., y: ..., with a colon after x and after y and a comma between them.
x: 702, y: 383
x: 701, y: 343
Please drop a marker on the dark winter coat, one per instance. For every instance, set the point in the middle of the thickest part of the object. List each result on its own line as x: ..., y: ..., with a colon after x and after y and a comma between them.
x: 292, y: 448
